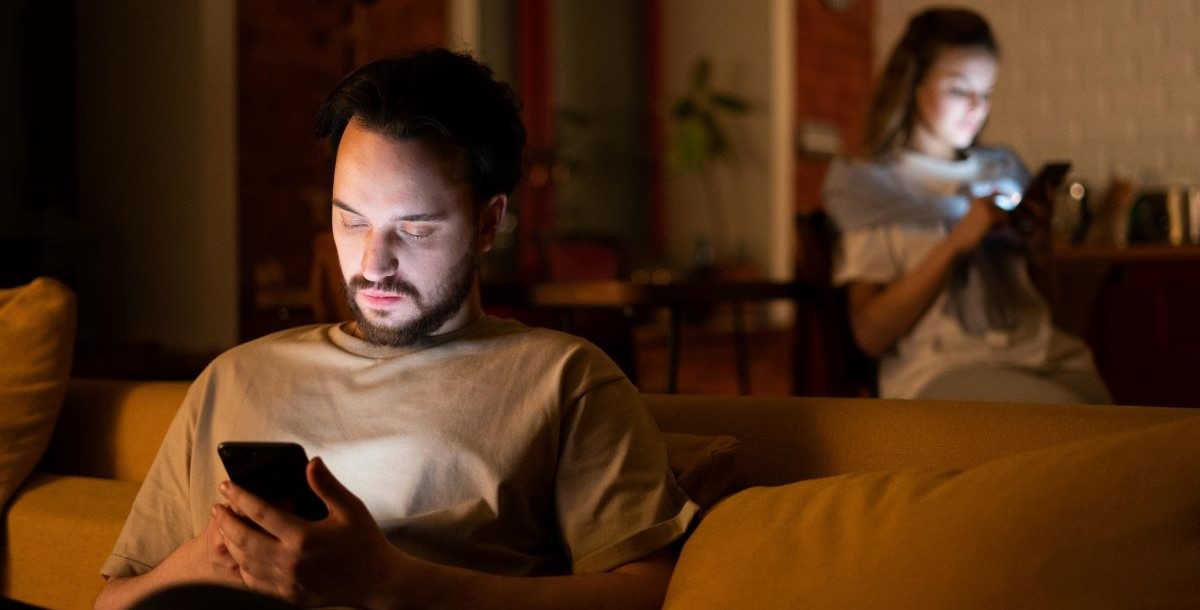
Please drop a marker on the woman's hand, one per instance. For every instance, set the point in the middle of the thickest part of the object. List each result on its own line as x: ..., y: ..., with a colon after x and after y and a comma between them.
x: 880, y: 315
x: 982, y: 216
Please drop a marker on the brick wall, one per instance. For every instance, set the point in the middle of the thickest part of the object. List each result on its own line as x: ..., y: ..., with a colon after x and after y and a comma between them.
x: 290, y: 54
x: 833, y: 75
x: 1109, y: 83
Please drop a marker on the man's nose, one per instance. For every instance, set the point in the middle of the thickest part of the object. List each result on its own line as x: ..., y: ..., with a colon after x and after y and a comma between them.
x: 379, y: 257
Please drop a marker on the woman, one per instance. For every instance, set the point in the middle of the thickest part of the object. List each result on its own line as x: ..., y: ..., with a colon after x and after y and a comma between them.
x: 936, y: 276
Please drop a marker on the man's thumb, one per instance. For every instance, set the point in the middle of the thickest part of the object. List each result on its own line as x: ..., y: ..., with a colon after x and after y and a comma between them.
x: 331, y: 491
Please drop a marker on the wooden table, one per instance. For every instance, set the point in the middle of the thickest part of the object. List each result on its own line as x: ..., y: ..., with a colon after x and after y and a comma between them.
x: 675, y: 298
x: 1137, y: 307
x: 1134, y: 253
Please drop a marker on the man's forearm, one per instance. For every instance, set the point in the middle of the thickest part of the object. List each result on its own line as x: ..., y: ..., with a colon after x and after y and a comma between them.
x: 123, y: 592
x: 188, y: 564
x: 637, y: 585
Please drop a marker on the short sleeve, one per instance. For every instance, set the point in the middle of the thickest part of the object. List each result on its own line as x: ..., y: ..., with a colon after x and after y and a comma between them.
x: 159, y: 521
x: 615, y: 496
x: 865, y: 255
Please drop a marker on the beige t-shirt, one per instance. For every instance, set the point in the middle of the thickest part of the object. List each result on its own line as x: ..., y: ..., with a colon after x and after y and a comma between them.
x: 499, y: 448
x: 937, y: 343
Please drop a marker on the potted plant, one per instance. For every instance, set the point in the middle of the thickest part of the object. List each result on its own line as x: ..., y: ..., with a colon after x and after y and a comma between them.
x: 698, y: 141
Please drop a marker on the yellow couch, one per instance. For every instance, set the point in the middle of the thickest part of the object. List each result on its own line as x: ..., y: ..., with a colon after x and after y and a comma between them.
x: 63, y: 521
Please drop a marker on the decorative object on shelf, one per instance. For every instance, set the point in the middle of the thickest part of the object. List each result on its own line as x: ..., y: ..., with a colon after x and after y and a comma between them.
x: 1072, y: 214
x: 1110, y: 225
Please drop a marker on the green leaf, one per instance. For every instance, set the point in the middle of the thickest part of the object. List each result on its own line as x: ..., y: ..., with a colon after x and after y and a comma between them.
x: 701, y: 72
x: 730, y: 102
x: 692, y: 146
x: 684, y: 108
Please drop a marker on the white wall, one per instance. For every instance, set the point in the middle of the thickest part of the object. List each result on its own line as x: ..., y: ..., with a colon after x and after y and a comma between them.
x: 751, y: 47
x: 156, y: 124
x: 463, y: 23
x: 1104, y: 83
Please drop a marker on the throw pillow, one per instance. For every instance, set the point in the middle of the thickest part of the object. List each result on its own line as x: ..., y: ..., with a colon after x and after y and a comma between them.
x: 704, y: 466
x: 1111, y: 522
x: 37, y: 334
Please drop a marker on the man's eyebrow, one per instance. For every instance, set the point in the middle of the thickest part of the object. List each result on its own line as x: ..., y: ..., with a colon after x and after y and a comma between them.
x: 339, y: 204
x: 421, y: 217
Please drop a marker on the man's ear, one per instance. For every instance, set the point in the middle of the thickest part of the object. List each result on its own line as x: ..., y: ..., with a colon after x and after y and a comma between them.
x: 491, y: 215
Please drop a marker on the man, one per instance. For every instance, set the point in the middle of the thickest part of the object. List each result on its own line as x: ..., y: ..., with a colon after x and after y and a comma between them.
x: 479, y: 463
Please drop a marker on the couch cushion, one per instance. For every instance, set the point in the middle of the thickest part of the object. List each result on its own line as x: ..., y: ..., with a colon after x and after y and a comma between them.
x: 704, y: 466
x: 1110, y: 522
x: 37, y: 334
x: 60, y: 531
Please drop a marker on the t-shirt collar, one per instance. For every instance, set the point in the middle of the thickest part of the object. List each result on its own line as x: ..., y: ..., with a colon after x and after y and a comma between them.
x: 342, y: 336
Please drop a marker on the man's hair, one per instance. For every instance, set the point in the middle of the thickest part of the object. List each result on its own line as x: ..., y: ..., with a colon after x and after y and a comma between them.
x: 891, y: 115
x: 438, y: 95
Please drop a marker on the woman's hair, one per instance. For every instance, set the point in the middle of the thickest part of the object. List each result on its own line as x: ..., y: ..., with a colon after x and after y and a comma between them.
x: 892, y: 112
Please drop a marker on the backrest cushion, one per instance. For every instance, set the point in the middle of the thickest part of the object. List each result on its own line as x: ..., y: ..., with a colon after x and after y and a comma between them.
x: 37, y: 335
x: 1109, y: 522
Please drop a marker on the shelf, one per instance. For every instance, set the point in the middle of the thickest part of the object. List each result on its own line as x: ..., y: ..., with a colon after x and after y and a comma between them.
x: 1136, y: 253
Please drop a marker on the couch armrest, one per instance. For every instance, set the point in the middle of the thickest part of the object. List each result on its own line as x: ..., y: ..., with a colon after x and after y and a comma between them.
x: 786, y: 439
x: 112, y: 428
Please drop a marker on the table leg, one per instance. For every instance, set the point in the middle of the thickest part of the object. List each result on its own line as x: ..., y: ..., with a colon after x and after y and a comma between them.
x: 673, y: 351
x: 741, y: 348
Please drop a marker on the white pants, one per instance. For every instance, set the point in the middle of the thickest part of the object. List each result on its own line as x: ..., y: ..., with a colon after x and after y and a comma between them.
x: 1010, y: 384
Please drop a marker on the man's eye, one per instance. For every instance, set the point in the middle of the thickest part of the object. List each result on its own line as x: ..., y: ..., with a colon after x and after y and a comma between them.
x: 353, y: 225
x: 416, y: 232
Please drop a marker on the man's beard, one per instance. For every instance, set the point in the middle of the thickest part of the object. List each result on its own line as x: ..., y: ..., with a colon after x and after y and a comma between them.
x: 448, y: 297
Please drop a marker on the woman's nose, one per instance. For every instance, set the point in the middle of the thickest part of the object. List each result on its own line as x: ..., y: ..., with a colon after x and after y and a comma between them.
x: 978, y: 101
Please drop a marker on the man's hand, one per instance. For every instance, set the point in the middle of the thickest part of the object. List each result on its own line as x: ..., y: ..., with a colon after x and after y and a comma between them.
x: 202, y: 559
x: 342, y: 559
x: 213, y: 561
x: 345, y: 559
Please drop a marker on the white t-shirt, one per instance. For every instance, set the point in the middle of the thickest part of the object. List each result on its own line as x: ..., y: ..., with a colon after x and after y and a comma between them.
x: 498, y: 448
x: 937, y: 342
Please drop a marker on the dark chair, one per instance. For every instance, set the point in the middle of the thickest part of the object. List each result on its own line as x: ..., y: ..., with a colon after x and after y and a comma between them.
x: 326, y: 291
x: 829, y: 360
x: 580, y: 257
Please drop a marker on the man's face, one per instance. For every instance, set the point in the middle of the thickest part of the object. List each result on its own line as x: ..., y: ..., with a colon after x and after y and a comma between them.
x: 407, y: 236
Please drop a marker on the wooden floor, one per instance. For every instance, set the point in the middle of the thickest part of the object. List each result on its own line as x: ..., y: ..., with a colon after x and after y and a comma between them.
x: 707, y: 364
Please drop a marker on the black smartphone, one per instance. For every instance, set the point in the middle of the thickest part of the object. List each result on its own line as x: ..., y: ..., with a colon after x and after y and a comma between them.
x: 1048, y: 179
x: 275, y: 473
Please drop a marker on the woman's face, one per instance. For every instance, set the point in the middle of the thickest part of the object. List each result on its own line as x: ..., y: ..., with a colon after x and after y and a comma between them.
x: 953, y: 100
